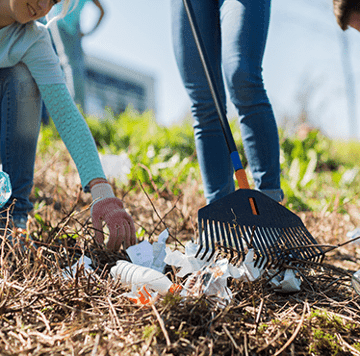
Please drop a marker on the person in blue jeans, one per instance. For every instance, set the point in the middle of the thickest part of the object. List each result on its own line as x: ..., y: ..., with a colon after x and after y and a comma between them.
x: 29, y: 73
x: 234, y: 33
x: 67, y: 37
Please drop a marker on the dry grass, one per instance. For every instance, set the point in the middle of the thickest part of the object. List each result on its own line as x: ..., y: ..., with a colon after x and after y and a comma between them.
x: 43, y: 313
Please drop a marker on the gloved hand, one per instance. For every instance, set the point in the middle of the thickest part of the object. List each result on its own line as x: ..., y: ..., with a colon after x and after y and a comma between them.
x: 109, y: 209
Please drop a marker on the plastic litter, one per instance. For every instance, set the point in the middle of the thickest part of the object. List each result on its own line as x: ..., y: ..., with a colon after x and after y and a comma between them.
x: 130, y: 275
x: 286, y: 282
x: 210, y: 278
x: 150, y: 255
x: 5, y: 188
x: 355, y: 281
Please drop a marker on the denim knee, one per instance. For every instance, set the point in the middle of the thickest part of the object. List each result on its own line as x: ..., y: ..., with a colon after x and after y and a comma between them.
x: 20, y: 114
x: 247, y: 91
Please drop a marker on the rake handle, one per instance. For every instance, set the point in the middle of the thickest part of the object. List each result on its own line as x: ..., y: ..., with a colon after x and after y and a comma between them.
x: 235, y: 158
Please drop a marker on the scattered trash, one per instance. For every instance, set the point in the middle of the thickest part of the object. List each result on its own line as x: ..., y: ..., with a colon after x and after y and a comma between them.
x: 150, y: 255
x: 187, y: 262
x: 5, y: 188
x: 116, y: 166
x: 145, y: 274
x: 286, y: 282
x: 141, y: 279
x: 355, y: 281
x: 202, y: 276
x: 210, y: 277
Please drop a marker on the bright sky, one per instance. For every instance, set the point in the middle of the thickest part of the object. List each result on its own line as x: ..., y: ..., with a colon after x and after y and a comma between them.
x: 303, y: 55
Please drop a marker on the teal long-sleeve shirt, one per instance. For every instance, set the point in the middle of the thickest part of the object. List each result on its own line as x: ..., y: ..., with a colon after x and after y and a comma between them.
x: 30, y: 43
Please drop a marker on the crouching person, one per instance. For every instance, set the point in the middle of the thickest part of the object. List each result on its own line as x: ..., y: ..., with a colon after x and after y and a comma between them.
x: 30, y: 71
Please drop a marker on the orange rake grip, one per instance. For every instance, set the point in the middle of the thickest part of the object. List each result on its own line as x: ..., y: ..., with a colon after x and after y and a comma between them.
x: 244, y: 184
x: 242, y: 179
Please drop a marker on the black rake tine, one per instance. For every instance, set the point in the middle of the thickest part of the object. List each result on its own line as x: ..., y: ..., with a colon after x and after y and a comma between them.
x: 267, y: 256
x: 206, y: 239
x: 271, y: 245
x: 289, y: 240
x: 227, y: 234
x: 247, y: 240
x: 201, y: 229
x: 258, y: 241
x: 276, y: 234
x: 218, y: 235
x: 222, y: 234
x: 231, y: 239
x: 240, y: 240
x: 303, y: 252
x: 235, y: 237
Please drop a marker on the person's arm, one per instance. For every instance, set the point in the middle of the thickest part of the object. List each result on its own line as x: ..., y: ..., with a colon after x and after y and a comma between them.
x: 101, y: 15
x: 80, y: 143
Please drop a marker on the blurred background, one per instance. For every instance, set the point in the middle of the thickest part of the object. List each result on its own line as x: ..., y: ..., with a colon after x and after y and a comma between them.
x: 311, y: 67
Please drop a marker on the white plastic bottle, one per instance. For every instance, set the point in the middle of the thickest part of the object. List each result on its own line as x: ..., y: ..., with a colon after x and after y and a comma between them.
x: 5, y: 188
x: 134, y: 275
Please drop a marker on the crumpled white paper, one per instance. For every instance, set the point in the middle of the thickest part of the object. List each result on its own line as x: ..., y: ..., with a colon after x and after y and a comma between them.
x: 188, y: 263
x: 286, y: 282
x: 150, y: 255
x: 210, y: 277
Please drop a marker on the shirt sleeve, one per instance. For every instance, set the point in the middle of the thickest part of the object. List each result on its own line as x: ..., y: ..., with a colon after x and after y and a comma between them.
x: 73, y: 130
x: 40, y: 56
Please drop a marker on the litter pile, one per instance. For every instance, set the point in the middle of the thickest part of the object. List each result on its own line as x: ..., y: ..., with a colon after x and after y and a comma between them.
x: 144, y: 273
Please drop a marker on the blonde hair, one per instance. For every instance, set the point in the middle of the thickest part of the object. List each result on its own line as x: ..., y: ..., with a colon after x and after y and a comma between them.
x: 65, y: 9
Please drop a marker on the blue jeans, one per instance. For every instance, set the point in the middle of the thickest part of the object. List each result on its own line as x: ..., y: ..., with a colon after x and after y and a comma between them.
x: 20, y: 117
x: 234, y: 33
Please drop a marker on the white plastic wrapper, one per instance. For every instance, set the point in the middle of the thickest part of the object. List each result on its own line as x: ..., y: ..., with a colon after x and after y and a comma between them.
x: 210, y: 277
x: 150, y: 255
x: 286, y: 282
x: 187, y: 262
x: 141, y: 254
x: 211, y: 281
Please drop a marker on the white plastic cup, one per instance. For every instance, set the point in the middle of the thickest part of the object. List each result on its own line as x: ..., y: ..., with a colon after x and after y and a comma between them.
x: 5, y: 188
x: 134, y: 275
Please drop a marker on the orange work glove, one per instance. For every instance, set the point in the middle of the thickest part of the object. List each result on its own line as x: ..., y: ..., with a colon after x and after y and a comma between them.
x: 110, y: 210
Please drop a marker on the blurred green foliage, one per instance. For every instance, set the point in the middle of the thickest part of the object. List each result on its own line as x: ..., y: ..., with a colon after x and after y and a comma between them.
x: 315, y: 170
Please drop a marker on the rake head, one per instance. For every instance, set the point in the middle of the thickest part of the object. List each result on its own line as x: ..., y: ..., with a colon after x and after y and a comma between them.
x: 275, y: 233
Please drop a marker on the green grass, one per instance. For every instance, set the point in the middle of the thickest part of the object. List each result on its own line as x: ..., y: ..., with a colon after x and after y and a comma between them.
x: 313, y: 168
